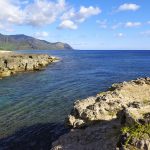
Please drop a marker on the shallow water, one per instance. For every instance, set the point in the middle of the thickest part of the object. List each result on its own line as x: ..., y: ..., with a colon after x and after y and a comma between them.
x: 45, y: 97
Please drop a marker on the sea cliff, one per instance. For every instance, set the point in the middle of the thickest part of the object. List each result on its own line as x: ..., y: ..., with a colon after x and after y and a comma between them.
x: 118, y: 119
x: 11, y: 63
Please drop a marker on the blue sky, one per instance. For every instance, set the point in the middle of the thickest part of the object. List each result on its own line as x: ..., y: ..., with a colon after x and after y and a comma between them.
x: 86, y: 24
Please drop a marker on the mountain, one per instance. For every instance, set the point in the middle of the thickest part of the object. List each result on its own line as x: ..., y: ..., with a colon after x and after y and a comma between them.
x: 23, y: 42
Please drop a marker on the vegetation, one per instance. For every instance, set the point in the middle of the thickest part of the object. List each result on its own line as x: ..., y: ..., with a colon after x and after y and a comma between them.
x: 102, y: 93
x: 137, y: 131
x: 7, y: 47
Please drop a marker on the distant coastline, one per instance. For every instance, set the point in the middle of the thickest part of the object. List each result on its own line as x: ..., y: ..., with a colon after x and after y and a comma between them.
x: 24, y: 42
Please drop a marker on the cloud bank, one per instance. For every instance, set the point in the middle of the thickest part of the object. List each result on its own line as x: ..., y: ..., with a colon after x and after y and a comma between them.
x: 43, y: 12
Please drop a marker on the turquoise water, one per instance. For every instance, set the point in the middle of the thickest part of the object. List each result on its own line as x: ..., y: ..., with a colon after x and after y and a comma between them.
x: 46, y: 97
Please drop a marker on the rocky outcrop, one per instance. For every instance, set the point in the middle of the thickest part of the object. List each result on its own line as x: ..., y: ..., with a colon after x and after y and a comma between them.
x: 13, y: 63
x: 116, y: 119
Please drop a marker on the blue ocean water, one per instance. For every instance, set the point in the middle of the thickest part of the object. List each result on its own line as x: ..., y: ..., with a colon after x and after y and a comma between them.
x: 46, y: 97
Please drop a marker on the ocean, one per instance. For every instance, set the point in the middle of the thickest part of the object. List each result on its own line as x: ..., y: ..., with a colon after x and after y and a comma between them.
x: 34, y: 105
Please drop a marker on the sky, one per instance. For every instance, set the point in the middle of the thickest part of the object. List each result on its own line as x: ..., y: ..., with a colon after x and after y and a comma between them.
x: 84, y: 24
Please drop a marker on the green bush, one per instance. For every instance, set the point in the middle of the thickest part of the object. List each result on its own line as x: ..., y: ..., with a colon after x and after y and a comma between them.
x: 137, y: 131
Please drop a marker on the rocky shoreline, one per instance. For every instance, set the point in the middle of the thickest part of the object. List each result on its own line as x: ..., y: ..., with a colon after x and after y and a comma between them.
x: 118, y: 119
x: 12, y: 63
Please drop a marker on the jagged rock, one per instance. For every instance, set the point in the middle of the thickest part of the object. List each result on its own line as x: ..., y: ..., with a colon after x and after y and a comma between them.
x: 104, y: 116
x: 12, y: 63
x: 137, y: 115
x: 142, y: 144
x: 106, y: 105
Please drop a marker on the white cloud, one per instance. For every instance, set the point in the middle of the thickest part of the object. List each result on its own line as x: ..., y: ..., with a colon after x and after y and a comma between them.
x: 69, y: 14
x: 87, y: 12
x: 117, y: 25
x: 42, y: 34
x: 76, y: 17
x: 39, y: 12
x: 68, y: 24
x: 120, y: 35
x: 126, y: 25
x: 10, y: 12
x: 128, y: 6
x: 43, y: 12
x: 146, y: 33
x: 133, y: 24
x: 102, y: 24
x: 82, y: 14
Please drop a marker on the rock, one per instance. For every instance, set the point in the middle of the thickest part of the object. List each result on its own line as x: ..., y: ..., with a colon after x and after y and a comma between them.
x: 105, y: 106
x: 5, y: 73
x: 98, y: 137
x: 137, y: 115
x: 12, y: 63
x: 142, y: 144
x: 105, y: 116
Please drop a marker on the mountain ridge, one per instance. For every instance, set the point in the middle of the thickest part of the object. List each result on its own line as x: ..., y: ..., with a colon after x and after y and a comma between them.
x: 23, y: 42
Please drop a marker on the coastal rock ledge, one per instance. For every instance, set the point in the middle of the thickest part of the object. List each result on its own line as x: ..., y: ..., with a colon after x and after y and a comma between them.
x: 118, y: 119
x: 13, y: 63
